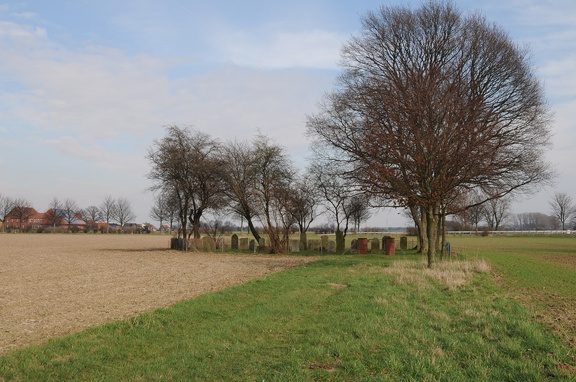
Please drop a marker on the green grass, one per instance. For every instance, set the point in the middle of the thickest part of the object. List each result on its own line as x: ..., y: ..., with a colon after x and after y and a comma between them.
x: 539, y: 263
x: 342, y: 318
x: 539, y: 271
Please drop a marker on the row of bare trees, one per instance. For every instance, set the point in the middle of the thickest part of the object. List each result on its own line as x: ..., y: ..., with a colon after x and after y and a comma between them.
x: 434, y: 111
x: 195, y: 175
x: 496, y: 213
x: 68, y: 212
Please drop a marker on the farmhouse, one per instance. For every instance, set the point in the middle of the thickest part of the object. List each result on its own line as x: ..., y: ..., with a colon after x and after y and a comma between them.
x: 21, y: 217
x: 29, y: 218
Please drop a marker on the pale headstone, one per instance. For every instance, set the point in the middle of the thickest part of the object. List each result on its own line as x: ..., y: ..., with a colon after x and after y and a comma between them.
x: 314, y: 245
x: 404, y: 243
x: 331, y: 246
x: 294, y: 246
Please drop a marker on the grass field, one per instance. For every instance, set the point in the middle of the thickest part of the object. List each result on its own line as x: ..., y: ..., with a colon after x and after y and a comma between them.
x: 347, y: 318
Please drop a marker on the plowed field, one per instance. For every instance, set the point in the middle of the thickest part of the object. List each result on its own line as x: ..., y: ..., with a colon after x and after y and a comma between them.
x: 54, y: 285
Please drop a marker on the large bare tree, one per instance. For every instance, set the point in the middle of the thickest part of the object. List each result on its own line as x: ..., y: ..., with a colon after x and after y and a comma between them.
x: 240, y: 161
x: 258, y: 177
x: 432, y: 103
x: 188, y: 164
x: 303, y: 205
x: 336, y: 193
x: 563, y: 208
x: 273, y: 173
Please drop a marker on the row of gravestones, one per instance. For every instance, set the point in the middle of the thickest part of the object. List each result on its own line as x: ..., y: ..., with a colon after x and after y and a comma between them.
x: 244, y: 244
x: 323, y: 245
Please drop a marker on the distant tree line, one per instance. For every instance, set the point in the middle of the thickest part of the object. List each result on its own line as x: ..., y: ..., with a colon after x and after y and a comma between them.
x: 496, y: 215
x: 66, y: 213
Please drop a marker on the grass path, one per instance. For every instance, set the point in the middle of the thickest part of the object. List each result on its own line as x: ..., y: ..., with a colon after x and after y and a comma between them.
x: 342, y: 318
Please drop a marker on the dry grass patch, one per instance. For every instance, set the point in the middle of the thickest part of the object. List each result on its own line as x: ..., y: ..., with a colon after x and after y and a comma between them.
x: 450, y: 274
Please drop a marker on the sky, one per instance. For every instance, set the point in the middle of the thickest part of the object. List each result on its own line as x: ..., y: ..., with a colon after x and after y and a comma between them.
x: 87, y: 86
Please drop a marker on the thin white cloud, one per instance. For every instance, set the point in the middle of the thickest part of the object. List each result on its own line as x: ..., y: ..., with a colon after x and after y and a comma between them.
x: 91, y: 152
x: 307, y: 49
x: 20, y: 33
x: 94, y: 92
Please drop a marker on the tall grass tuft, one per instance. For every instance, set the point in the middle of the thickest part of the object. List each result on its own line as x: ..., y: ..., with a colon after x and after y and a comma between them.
x: 450, y: 274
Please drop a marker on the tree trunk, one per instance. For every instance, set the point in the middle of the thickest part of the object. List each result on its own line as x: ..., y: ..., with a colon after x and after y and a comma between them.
x: 420, y: 221
x: 431, y: 232
x: 443, y: 231
x: 253, y: 229
x: 438, y: 244
x: 303, y: 240
x: 340, y: 241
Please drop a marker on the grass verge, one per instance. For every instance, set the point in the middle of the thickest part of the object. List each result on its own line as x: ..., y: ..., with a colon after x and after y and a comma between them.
x: 337, y: 319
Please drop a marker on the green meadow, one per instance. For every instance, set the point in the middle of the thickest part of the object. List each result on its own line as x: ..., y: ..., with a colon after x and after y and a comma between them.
x: 500, y: 309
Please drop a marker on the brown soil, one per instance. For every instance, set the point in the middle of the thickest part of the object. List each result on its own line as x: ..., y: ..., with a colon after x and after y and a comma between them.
x: 565, y: 260
x: 54, y: 285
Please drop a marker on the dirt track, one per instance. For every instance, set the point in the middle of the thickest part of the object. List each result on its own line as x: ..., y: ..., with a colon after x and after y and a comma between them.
x: 53, y: 285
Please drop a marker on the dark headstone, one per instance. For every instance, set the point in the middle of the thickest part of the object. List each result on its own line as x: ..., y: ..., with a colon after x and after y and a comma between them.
x: 362, y: 245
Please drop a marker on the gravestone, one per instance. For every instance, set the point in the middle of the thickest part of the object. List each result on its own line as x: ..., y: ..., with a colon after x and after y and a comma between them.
x: 362, y: 246
x: 177, y: 243
x: 252, y: 245
x: 294, y: 246
x: 404, y: 243
x: 244, y: 245
x: 314, y: 245
x: 234, y: 242
x: 262, y: 245
x: 324, y: 242
x: 331, y: 246
x: 354, y: 246
x: 389, y: 245
x: 375, y: 245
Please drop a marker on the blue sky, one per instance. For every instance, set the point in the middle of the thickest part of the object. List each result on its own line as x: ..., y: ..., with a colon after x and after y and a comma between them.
x: 85, y: 86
